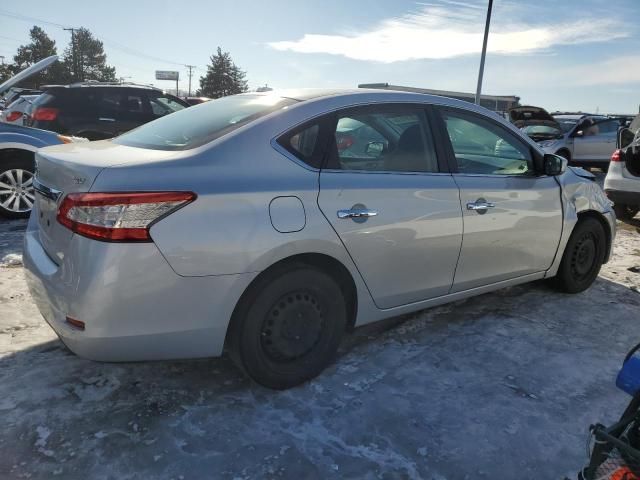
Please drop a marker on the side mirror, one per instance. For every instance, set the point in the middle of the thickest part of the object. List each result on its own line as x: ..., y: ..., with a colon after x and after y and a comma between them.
x: 554, y: 165
x: 374, y: 149
x: 625, y: 137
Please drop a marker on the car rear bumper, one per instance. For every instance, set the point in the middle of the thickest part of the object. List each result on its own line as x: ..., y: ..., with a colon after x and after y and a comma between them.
x: 135, y: 307
x: 623, y: 198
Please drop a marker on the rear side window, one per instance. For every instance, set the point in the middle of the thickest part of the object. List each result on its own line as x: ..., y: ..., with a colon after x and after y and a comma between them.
x: 195, y: 126
x: 44, y: 99
x: 304, y: 143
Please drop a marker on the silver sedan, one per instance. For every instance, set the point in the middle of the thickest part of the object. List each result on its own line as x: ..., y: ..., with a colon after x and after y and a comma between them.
x: 270, y: 224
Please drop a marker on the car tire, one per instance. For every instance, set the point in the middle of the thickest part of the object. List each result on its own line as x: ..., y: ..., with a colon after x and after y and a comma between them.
x: 564, y: 154
x: 16, y: 188
x: 583, y: 256
x: 288, y: 327
x: 625, y: 212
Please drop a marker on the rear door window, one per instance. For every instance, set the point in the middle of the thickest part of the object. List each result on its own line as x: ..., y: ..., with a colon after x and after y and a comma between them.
x: 382, y: 138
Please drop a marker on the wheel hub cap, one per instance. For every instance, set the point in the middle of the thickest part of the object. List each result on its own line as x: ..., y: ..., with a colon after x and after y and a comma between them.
x: 292, y: 327
x: 584, y: 255
x: 16, y: 190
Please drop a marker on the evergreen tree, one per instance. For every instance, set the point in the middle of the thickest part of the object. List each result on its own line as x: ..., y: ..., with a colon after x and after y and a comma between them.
x: 6, y: 72
x: 41, y: 47
x: 223, y: 77
x: 87, y: 61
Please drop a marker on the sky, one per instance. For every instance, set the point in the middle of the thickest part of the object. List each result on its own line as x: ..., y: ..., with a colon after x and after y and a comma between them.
x: 561, y: 55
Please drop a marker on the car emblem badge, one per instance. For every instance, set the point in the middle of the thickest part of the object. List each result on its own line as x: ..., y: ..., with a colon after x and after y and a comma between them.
x: 79, y: 180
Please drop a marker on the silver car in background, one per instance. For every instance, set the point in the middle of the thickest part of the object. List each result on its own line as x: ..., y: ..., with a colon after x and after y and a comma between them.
x: 586, y: 140
x: 271, y: 223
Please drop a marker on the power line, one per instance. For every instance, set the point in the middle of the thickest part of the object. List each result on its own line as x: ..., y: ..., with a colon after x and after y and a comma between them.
x: 112, y: 43
x: 26, y: 18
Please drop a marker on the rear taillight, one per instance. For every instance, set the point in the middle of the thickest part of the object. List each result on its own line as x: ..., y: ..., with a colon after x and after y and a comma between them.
x: 119, y: 217
x: 13, y: 116
x: 616, y: 156
x: 45, y: 114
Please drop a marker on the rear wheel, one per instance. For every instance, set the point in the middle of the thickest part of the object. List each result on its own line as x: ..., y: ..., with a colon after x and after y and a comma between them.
x: 289, y: 326
x: 625, y: 212
x: 582, y: 258
x: 16, y: 188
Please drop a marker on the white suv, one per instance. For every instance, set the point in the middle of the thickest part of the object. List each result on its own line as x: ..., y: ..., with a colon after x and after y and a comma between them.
x: 622, y: 183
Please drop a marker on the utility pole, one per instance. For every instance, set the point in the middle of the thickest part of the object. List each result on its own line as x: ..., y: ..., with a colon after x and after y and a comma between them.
x: 484, y: 53
x: 190, y: 67
x: 73, y: 52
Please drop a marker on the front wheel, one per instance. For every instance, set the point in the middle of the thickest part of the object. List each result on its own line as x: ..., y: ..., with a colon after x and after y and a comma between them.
x: 582, y: 258
x: 16, y: 188
x: 625, y: 212
x: 288, y: 327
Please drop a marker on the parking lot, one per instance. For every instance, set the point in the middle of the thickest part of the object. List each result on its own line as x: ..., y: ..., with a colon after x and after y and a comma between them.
x: 504, y: 385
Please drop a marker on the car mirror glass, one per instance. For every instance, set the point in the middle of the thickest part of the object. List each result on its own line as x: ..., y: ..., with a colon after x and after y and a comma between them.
x: 554, y: 164
x: 374, y: 149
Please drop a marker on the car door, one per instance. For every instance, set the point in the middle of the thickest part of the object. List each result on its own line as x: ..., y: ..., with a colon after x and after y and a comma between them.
x: 393, y: 205
x: 512, y: 218
x: 597, y: 141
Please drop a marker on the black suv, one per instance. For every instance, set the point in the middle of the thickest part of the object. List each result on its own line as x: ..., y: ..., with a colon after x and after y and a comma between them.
x: 99, y: 110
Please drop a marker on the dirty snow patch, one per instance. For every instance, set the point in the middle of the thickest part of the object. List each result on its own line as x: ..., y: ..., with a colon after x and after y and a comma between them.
x: 12, y: 260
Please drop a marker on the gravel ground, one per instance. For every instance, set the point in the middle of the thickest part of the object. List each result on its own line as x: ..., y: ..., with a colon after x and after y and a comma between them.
x: 501, y: 386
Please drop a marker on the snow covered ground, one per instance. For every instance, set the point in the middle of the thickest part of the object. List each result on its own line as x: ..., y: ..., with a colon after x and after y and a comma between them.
x: 501, y: 386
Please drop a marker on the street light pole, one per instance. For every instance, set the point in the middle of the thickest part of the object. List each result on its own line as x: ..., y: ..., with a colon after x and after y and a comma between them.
x: 484, y: 53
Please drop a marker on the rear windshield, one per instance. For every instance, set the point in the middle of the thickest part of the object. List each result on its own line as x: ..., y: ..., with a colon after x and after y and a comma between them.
x: 195, y: 126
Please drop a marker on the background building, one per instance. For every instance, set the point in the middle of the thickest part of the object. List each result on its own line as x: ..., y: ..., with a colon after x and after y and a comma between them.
x: 498, y: 103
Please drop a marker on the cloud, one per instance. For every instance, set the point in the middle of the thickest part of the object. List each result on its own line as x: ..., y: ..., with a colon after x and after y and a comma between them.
x: 449, y: 29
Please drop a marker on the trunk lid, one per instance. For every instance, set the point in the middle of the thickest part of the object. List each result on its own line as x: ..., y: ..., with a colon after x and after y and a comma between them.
x: 27, y: 72
x: 71, y: 168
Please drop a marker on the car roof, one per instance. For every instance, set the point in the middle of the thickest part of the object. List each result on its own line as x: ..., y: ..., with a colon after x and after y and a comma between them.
x: 364, y: 95
x: 101, y: 85
x: 579, y: 116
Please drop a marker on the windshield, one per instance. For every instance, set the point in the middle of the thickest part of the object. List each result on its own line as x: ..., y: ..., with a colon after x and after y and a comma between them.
x: 541, y: 130
x: 195, y: 126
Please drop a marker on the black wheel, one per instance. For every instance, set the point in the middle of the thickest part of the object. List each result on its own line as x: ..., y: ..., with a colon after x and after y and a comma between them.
x: 564, y: 154
x: 582, y: 258
x: 625, y: 212
x: 16, y: 188
x: 288, y: 327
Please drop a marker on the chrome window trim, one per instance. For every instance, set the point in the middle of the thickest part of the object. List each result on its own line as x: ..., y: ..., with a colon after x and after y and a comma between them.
x: 497, y: 175
x: 48, y: 192
x: 385, y: 172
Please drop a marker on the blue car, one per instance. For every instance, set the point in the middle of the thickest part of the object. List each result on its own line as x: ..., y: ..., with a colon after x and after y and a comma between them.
x: 18, y: 145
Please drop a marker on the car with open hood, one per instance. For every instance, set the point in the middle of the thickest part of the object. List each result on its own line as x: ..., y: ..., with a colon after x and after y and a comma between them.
x: 583, y: 139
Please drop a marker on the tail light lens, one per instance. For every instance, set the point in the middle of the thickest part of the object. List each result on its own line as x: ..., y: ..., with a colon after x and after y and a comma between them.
x: 13, y: 116
x: 119, y: 217
x: 45, y: 114
x: 616, y: 156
